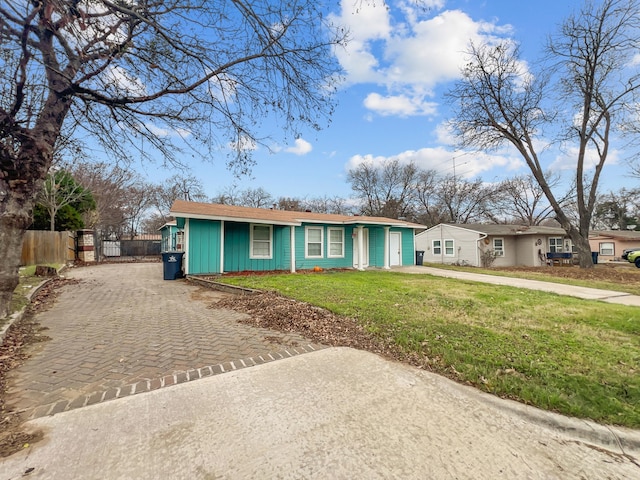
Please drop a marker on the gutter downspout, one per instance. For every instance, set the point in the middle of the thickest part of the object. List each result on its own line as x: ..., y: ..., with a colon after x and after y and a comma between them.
x: 482, y: 237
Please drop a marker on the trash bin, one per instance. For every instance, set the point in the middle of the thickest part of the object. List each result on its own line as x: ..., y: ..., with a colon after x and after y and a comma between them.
x: 419, y: 257
x: 172, y: 265
x: 594, y: 257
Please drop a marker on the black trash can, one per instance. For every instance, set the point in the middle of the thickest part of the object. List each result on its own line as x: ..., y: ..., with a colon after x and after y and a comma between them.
x: 594, y: 257
x: 172, y: 265
x: 419, y: 257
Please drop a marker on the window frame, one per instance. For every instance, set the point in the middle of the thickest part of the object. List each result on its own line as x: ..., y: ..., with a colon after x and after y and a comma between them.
x: 437, y: 247
x: 555, y: 246
x: 329, y: 242
x: 612, y: 249
x: 252, y: 240
x: 307, y: 243
x: 453, y: 247
x: 498, y: 252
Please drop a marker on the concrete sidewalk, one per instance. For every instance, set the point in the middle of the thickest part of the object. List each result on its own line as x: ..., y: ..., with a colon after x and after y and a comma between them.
x: 336, y: 413
x: 558, y: 288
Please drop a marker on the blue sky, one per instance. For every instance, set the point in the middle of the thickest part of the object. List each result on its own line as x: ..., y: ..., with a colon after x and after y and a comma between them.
x: 398, y: 65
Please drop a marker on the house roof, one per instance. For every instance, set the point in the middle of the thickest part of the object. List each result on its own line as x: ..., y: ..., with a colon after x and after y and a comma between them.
x: 213, y: 211
x: 512, y: 229
x: 617, y: 234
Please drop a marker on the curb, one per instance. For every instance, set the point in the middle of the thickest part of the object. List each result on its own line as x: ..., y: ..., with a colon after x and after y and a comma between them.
x: 223, y: 287
x: 17, y: 316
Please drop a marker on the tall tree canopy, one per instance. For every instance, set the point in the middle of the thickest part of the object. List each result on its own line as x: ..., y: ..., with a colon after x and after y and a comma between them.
x: 140, y: 74
x: 588, y: 95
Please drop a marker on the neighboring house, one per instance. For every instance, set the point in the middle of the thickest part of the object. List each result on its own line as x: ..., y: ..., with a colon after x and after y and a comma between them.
x: 611, y: 243
x: 506, y: 245
x: 224, y: 238
x: 172, y: 237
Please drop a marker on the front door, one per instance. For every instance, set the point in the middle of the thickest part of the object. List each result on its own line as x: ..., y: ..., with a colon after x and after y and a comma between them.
x: 365, y: 252
x: 395, y: 253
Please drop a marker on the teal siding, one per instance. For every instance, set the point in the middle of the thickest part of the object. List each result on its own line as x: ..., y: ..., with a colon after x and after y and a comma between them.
x: 304, y: 263
x: 408, y: 246
x: 237, y: 249
x: 204, y: 246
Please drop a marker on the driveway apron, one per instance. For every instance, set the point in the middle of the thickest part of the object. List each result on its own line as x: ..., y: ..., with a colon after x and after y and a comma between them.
x: 123, y: 330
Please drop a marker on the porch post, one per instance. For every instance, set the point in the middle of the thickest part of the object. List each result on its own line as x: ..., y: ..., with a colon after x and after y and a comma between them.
x: 292, y: 229
x: 360, y: 247
x: 185, y: 248
x: 387, y: 246
x: 221, y: 246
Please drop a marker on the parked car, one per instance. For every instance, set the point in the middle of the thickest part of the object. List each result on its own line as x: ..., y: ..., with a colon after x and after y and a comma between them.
x: 634, y: 257
x: 626, y: 252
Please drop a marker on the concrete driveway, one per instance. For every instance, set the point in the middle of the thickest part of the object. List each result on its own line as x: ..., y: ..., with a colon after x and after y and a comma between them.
x: 315, y: 413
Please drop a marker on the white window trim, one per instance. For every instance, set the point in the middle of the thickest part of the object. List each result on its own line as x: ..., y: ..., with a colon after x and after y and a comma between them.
x: 612, y: 249
x: 252, y: 256
x: 498, y: 252
x: 557, y: 245
x: 433, y: 247
x: 329, y: 230
x: 306, y: 242
x: 453, y: 247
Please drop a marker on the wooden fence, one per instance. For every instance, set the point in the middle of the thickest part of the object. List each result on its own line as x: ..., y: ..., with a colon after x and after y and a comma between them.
x: 41, y: 246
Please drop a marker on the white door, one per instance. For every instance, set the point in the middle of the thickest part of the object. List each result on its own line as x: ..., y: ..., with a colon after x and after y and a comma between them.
x: 365, y: 252
x: 395, y: 252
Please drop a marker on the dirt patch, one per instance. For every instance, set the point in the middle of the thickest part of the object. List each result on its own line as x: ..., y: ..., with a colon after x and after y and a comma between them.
x: 13, y: 352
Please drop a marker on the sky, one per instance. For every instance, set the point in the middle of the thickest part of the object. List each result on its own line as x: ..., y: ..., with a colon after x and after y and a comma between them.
x: 398, y: 65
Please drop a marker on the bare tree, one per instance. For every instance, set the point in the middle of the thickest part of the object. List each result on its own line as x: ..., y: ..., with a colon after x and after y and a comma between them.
x: 464, y: 201
x: 522, y: 201
x: 387, y: 190
x: 617, y: 210
x: 256, y: 198
x: 498, y: 102
x: 137, y: 74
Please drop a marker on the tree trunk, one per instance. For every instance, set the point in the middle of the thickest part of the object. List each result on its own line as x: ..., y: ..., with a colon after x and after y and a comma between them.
x: 581, y: 242
x: 14, y: 220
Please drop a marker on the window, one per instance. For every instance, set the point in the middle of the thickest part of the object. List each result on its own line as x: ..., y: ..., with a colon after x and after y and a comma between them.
x: 498, y: 247
x: 448, y: 248
x: 314, y: 242
x: 607, y: 248
x: 261, y: 236
x: 555, y: 245
x: 336, y: 242
x: 437, y: 247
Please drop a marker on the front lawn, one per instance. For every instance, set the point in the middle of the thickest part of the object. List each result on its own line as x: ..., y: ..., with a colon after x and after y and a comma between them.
x: 577, y: 357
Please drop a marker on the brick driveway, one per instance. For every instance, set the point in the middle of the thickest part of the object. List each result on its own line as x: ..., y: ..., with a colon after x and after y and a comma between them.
x: 123, y: 330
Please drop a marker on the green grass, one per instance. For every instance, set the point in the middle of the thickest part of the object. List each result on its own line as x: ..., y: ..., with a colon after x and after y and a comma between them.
x: 28, y: 281
x: 544, y: 275
x: 577, y: 357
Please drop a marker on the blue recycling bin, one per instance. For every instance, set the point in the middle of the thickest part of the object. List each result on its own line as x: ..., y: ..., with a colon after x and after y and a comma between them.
x: 172, y: 265
x: 594, y: 257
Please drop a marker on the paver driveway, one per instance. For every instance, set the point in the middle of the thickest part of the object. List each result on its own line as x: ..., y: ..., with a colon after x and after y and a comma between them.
x: 124, y: 330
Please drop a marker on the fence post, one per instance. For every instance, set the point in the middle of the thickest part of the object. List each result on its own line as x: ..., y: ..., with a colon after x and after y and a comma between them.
x: 86, y: 251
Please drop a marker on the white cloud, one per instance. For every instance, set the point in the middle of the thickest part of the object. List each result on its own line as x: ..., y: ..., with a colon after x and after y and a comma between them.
x: 407, y: 49
x: 567, y: 160
x: 443, y: 161
x: 400, y: 105
x: 301, y: 147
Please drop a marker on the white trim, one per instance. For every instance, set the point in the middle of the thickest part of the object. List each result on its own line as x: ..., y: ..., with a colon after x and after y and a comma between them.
x: 221, y: 246
x: 292, y: 235
x: 252, y: 256
x: 329, y: 242
x: 453, y: 247
x: 495, y: 250
x: 387, y: 246
x: 185, y: 256
x: 306, y: 242
x: 433, y: 246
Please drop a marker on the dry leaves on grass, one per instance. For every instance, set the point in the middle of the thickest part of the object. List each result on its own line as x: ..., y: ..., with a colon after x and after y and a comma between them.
x: 273, y: 311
